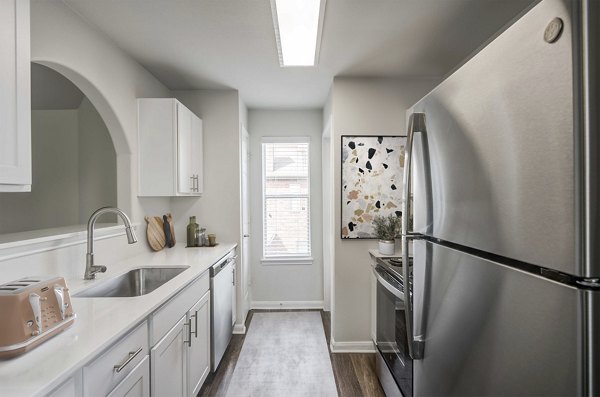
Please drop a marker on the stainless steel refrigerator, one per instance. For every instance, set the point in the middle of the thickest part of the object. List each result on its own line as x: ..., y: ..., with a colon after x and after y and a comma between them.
x: 501, y: 177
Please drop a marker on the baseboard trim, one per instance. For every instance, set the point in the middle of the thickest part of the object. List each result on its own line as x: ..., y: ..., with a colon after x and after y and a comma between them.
x: 351, y: 347
x: 286, y: 304
x: 239, y: 329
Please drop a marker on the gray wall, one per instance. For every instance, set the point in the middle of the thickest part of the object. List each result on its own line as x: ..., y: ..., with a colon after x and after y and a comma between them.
x: 54, y: 197
x: 361, y: 106
x: 74, y: 172
x: 97, y: 164
x: 286, y: 283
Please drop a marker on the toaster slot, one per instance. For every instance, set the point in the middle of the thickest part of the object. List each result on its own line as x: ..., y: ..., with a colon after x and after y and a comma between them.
x: 9, y: 288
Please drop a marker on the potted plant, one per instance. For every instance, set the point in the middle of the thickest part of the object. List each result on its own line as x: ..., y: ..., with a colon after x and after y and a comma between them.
x: 387, y: 229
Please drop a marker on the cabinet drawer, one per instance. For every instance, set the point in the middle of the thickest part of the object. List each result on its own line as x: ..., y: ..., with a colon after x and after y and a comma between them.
x: 105, y: 372
x: 137, y: 383
x: 166, y: 316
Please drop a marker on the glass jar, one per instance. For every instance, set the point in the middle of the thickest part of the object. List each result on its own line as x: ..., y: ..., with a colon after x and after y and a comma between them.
x: 193, y: 233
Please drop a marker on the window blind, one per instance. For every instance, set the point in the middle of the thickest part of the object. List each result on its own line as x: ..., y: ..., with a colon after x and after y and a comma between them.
x: 286, y: 199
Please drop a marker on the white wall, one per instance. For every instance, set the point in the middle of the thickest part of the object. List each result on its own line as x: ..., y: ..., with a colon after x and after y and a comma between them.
x: 361, y: 106
x: 109, y: 77
x: 112, y: 80
x: 327, y: 182
x: 218, y: 209
x: 288, y: 284
x: 244, y: 292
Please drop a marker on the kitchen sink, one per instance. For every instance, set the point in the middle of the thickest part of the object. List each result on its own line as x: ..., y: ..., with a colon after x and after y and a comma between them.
x: 136, y: 282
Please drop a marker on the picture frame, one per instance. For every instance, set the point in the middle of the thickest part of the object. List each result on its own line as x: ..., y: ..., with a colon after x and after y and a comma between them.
x: 372, y: 168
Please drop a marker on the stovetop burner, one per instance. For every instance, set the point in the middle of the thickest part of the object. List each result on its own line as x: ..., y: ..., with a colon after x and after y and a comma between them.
x: 395, y: 261
x: 394, y: 266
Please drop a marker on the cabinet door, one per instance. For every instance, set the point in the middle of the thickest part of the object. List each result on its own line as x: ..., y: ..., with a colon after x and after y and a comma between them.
x: 136, y: 384
x: 168, y: 362
x: 72, y: 387
x: 185, y: 178
x: 196, y: 153
x: 15, y: 103
x: 199, y: 351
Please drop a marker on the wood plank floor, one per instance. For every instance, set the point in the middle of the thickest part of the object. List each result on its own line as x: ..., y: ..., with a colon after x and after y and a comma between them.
x: 354, y: 372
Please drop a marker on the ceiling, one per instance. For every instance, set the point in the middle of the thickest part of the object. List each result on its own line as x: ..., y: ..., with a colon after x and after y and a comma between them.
x: 199, y: 44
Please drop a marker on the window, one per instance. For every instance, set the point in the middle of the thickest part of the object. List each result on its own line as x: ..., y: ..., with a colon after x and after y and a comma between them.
x: 286, y: 200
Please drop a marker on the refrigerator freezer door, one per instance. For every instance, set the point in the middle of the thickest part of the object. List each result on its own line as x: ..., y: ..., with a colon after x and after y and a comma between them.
x: 501, y: 147
x: 492, y: 330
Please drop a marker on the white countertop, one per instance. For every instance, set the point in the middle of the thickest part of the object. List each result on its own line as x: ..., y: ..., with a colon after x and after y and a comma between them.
x: 101, y: 321
x: 376, y: 254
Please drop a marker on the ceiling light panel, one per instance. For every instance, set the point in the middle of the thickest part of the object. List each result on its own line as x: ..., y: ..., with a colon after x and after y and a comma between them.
x: 297, y: 29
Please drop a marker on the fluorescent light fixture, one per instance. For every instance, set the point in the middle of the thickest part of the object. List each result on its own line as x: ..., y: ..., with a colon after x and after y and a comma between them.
x: 298, y: 25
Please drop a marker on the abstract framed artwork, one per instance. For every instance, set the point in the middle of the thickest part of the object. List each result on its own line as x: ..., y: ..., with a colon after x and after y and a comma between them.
x: 372, y: 173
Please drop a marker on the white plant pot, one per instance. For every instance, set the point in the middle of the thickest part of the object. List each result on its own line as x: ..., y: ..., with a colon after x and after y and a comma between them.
x: 387, y: 247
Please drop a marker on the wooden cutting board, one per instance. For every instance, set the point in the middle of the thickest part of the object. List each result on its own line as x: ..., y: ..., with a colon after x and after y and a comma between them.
x: 155, y: 233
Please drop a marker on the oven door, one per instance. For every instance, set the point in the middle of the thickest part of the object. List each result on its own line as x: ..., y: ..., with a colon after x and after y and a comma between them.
x: 392, y: 341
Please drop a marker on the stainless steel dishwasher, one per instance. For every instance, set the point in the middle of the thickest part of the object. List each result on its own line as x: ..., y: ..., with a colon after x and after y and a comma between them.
x: 222, y: 282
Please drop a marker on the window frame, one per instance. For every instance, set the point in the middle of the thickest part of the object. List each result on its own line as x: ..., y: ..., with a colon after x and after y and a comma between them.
x: 285, y: 259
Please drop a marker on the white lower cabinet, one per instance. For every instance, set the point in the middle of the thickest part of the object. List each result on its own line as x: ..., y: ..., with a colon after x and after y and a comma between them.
x: 104, y: 373
x: 136, y: 384
x: 199, y: 350
x: 180, y: 357
x: 180, y: 362
x: 69, y: 388
x: 168, y: 366
x: 168, y: 354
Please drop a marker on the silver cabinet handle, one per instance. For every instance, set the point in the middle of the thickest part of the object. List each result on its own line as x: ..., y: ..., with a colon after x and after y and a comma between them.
x: 119, y: 367
x: 188, y: 323
x: 195, y: 315
x: 192, y: 186
x: 196, y: 183
x: 416, y: 124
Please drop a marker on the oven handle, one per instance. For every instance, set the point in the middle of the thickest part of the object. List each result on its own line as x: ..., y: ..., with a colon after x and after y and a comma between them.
x: 393, y: 290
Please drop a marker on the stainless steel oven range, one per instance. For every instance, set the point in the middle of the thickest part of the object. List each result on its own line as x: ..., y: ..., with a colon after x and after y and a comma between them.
x: 394, y: 365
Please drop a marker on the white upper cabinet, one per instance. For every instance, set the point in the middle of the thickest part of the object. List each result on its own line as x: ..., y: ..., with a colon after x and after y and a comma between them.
x: 15, y: 97
x: 170, y: 148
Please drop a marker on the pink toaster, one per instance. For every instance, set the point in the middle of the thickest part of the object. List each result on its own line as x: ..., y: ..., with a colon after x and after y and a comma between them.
x: 33, y: 310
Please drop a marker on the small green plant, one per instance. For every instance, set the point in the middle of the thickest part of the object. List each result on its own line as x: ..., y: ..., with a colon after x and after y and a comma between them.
x: 387, y: 227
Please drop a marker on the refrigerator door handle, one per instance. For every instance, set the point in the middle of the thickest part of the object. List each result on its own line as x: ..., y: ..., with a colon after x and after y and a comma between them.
x: 416, y: 124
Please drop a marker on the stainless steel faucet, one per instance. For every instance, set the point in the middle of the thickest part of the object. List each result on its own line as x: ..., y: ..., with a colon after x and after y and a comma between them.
x: 90, y: 268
